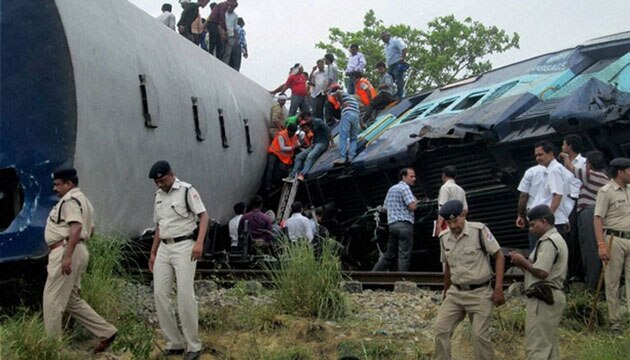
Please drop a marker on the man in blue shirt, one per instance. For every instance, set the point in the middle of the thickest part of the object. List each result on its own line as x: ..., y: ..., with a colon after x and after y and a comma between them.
x: 401, y: 205
x: 395, y: 53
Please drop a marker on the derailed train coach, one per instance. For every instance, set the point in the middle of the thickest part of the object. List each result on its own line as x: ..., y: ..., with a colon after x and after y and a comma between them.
x: 486, y: 126
x: 103, y: 87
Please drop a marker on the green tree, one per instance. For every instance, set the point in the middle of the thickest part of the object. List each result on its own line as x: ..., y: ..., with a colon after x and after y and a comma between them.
x: 447, y: 51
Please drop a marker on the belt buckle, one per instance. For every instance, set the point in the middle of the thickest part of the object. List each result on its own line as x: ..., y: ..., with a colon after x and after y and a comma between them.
x: 169, y: 241
x: 464, y: 287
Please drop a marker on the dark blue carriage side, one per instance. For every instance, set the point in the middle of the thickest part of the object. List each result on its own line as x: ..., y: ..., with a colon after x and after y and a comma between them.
x: 38, y: 114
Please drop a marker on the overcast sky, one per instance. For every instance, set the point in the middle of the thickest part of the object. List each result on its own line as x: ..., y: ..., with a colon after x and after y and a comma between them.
x: 283, y: 32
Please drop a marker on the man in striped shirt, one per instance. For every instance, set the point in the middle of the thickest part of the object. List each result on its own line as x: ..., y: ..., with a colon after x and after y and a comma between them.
x: 348, y: 126
x: 592, y: 177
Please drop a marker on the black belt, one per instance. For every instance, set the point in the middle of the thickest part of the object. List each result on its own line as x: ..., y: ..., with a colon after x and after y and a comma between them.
x: 176, y: 239
x: 471, y: 287
x: 619, y: 234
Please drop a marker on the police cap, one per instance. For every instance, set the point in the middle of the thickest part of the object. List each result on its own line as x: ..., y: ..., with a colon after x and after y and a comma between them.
x: 451, y: 209
x: 538, y: 212
x: 620, y: 163
x: 66, y: 174
x: 159, y: 169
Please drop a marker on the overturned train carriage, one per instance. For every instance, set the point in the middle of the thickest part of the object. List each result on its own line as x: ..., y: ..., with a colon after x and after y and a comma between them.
x: 103, y: 87
x: 486, y: 126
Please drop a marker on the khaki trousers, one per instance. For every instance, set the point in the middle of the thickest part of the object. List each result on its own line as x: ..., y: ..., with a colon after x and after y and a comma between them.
x: 541, y: 327
x: 62, y: 293
x: 478, y: 305
x: 619, y: 261
x: 173, y: 262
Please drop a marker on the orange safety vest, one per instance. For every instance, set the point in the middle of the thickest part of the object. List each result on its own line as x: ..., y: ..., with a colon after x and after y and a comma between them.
x: 363, y: 94
x: 274, y: 148
x: 333, y: 101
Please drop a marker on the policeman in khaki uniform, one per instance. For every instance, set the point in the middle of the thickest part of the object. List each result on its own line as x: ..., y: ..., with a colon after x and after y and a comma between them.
x: 612, y: 217
x: 69, y: 225
x: 465, y: 250
x: 545, y: 271
x: 176, y: 247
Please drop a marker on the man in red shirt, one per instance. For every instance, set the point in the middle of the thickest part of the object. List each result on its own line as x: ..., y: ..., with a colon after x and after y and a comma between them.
x: 297, y: 83
x: 217, y: 29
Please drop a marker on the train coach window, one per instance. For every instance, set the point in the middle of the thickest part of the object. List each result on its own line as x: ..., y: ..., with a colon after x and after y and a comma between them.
x: 247, y: 137
x: 11, y: 197
x: 148, y: 95
x: 224, y: 140
x: 199, y: 117
x: 442, y: 106
x: 469, y: 101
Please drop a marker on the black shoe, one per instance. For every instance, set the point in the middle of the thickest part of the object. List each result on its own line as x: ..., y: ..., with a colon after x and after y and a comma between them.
x: 169, y: 352
x: 192, y: 355
x: 104, y: 344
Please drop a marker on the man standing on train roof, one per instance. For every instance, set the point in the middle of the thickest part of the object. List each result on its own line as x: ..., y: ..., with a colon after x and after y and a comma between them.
x: 395, y: 54
x: 612, y: 219
x: 177, y: 245
x: 296, y: 82
x: 401, y: 206
x: 356, y: 66
x: 68, y: 227
x: 166, y: 17
x: 465, y: 250
x: 190, y: 13
x: 545, y: 272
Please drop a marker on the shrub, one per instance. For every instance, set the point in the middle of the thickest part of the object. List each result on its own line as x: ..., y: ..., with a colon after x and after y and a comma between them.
x: 308, y: 286
x: 23, y: 337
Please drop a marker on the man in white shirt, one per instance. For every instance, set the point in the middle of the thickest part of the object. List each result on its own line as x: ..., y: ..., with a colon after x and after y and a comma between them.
x: 166, y: 17
x: 356, y: 64
x: 449, y: 191
x: 555, y: 190
x: 298, y: 226
x: 571, y: 147
x: 239, y: 210
x: 317, y: 80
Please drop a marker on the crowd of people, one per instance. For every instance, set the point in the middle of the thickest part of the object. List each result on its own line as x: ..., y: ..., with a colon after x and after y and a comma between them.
x: 545, y: 207
x: 578, y: 217
x: 318, y: 103
x: 222, y: 34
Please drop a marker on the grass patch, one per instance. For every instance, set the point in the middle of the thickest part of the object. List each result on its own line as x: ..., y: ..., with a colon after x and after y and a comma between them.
x: 605, y: 348
x: 307, y: 286
x: 508, y: 324
x: 578, y: 311
x: 23, y: 337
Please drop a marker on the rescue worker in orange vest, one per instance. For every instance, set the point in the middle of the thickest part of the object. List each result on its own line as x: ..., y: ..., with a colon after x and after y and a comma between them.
x: 280, y: 154
x: 364, y: 90
x: 333, y: 108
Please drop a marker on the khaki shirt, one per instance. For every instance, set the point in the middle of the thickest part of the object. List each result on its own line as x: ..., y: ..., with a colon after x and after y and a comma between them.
x: 451, y: 191
x: 613, y: 206
x: 76, y: 208
x: 549, y: 259
x: 170, y: 211
x: 277, y: 114
x: 468, y: 262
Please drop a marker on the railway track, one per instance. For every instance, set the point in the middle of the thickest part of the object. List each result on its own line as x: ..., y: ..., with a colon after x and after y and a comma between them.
x: 370, y: 279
